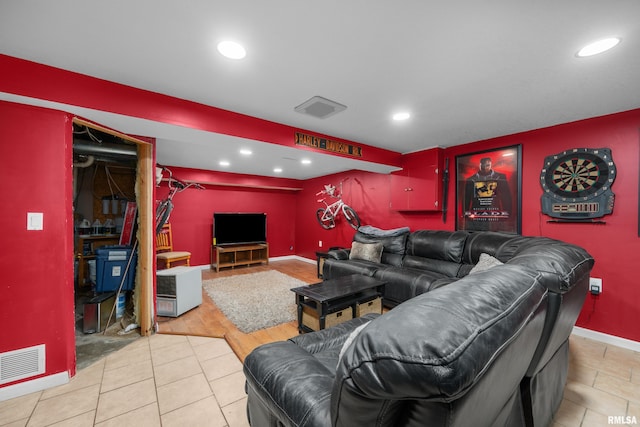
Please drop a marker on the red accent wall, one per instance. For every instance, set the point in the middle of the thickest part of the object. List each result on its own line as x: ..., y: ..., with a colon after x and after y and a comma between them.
x: 369, y: 194
x: 192, y: 215
x: 36, y: 290
x: 614, y: 245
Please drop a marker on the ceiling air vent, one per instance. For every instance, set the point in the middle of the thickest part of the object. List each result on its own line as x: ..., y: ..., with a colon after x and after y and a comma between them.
x: 320, y: 107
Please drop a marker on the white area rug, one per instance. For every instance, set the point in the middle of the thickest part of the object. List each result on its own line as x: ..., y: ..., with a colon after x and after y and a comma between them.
x: 255, y: 301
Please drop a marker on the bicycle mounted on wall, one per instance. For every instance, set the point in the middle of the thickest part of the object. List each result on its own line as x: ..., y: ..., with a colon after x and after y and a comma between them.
x: 166, y: 206
x: 326, y: 216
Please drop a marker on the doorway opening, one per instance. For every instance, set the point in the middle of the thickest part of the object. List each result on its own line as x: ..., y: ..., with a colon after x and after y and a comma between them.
x: 110, y: 200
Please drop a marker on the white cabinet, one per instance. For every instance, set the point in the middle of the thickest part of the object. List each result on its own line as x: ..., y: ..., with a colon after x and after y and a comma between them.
x: 179, y: 289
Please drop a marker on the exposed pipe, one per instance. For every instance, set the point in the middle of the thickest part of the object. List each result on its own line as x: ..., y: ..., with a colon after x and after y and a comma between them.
x: 76, y: 165
x: 108, y: 149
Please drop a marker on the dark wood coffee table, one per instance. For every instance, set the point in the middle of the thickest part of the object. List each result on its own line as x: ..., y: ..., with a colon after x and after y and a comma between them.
x: 330, y: 302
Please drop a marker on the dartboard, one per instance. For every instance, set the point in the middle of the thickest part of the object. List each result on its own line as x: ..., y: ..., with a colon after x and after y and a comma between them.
x: 577, y: 183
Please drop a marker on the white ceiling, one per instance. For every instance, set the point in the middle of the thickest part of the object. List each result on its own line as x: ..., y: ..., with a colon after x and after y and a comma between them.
x: 466, y: 70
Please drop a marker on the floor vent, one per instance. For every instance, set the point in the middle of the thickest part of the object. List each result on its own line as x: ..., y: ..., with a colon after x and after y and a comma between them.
x: 24, y: 363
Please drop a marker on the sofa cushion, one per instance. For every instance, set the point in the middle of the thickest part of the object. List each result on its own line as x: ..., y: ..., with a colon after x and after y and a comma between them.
x: 366, y: 251
x: 393, y: 245
x: 333, y: 268
x: 405, y: 283
x: 442, y: 282
x: 285, y: 381
x: 491, y: 243
x: 330, y: 339
x: 325, y: 345
x: 485, y: 263
x: 338, y: 253
x: 437, y: 244
x: 568, y: 262
x: 447, y: 268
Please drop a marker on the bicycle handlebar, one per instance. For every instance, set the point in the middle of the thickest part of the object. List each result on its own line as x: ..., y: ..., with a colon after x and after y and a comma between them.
x: 181, y: 186
x: 178, y: 184
x: 330, y: 194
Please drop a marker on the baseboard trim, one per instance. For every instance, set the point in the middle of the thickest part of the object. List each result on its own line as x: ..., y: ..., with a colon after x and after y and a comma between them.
x: 28, y: 387
x: 277, y: 258
x: 295, y: 257
x: 606, y: 338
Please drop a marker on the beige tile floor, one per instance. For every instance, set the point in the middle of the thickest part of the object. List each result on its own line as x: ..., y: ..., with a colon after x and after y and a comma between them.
x: 603, y: 386
x: 162, y: 380
x: 169, y: 380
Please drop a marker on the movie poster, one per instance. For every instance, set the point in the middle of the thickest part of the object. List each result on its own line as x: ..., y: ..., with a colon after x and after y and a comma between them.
x: 488, y: 190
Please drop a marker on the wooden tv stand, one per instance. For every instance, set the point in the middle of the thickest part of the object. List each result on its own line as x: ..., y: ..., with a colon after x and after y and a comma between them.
x: 233, y: 255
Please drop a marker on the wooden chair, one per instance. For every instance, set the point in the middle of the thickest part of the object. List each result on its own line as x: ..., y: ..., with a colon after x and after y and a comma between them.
x: 165, y: 255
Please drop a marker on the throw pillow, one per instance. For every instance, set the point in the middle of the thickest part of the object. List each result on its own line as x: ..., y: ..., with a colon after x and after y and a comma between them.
x: 485, y: 262
x: 352, y: 336
x: 366, y: 251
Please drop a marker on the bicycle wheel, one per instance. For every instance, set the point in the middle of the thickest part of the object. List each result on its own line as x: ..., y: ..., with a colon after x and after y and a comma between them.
x: 326, y: 221
x: 162, y: 214
x: 351, y: 216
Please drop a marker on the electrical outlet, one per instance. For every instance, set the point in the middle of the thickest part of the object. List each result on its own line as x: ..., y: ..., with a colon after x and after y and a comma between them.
x: 595, y: 285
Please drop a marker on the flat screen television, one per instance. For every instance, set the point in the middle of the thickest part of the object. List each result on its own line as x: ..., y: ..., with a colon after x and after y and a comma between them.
x: 233, y: 228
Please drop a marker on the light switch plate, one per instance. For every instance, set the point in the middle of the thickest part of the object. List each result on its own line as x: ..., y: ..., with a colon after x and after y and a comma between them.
x: 35, y: 220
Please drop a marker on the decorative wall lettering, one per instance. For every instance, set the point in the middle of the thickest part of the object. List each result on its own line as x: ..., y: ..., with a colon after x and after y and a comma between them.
x: 327, y: 144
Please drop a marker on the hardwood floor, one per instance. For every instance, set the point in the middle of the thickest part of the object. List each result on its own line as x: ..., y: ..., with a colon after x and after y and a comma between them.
x: 208, y: 321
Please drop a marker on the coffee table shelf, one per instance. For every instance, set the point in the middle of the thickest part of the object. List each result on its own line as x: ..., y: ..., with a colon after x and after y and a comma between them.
x: 328, y: 303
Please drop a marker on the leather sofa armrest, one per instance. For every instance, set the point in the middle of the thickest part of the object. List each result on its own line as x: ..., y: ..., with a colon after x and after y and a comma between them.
x: 339, y: 254
x: 291, y: 384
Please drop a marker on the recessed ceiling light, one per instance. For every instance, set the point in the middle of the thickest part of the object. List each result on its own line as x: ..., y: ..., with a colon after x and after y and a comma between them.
x: 403, y: 115
x: 245, y: 152
x: 277, y: 170
x: 598, y: 47
x: 305, y: 161
x: 224, y: 163
x: 231, y: 50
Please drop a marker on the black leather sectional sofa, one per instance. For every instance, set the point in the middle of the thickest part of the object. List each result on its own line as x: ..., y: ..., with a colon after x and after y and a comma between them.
x: 460, y: 348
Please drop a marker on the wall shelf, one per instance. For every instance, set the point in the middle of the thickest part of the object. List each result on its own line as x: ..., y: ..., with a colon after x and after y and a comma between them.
x: 85, y: 250
x: 231, y: 184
